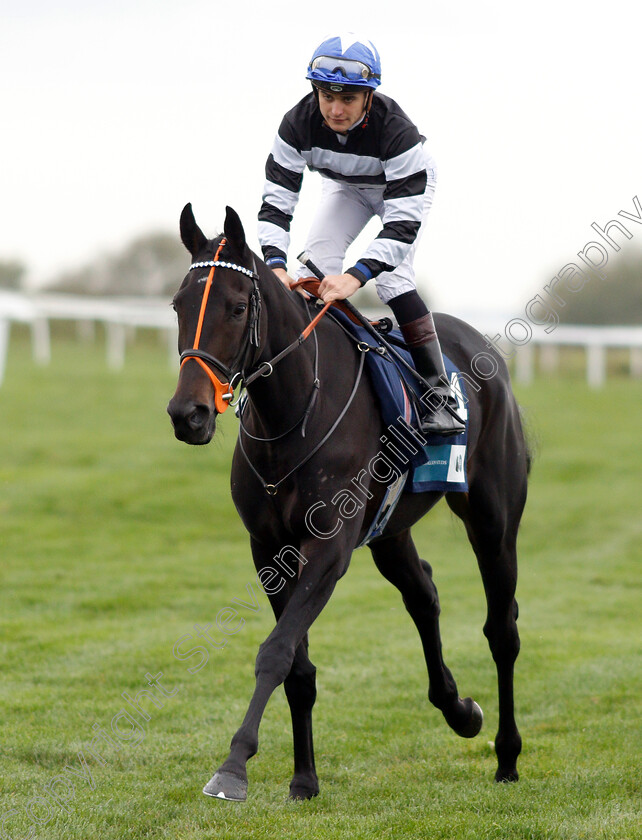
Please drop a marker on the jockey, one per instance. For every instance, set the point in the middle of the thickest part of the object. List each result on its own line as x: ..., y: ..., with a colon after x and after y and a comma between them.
x: 373, y: 163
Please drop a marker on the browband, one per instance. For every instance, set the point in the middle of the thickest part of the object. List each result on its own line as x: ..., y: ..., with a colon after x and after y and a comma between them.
x: 220, y: 264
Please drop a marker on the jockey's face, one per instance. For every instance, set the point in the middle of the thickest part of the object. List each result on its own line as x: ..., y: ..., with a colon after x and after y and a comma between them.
x: 342, y: 110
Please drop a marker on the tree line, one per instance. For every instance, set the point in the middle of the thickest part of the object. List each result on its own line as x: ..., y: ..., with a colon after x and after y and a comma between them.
x: 155, y: 264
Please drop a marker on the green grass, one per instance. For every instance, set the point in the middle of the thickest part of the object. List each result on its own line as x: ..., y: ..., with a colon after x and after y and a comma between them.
x: 116, y: 539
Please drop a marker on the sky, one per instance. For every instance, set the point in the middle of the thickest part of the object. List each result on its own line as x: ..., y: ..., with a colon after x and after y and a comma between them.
x: 115, y: 113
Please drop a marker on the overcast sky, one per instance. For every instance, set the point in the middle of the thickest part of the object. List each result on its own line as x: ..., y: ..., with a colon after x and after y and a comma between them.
x: 115, y: 113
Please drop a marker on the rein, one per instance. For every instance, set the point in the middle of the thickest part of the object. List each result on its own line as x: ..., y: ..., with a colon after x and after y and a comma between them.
x: 287, y: 350
x: 271, y: 489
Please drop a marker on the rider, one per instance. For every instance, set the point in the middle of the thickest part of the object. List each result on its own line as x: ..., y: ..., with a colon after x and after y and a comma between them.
x: 373, y: 162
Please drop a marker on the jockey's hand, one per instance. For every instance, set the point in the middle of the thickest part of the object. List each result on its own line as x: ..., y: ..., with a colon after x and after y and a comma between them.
x: 283, y: 276
x: 338, y: 287
x: 287, y: 281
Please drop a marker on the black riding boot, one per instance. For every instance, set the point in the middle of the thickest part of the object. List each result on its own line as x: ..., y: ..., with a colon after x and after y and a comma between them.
x: 422, y: 341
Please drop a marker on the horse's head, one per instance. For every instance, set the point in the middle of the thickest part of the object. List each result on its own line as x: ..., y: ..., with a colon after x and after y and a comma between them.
x: 218, y: 309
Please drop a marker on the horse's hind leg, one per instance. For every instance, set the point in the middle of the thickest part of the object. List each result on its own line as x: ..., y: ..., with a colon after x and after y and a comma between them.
x: 492, y: 518
x: 397, y: 559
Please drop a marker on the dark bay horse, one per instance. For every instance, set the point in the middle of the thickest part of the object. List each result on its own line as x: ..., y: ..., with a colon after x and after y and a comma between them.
x: 311, y: 430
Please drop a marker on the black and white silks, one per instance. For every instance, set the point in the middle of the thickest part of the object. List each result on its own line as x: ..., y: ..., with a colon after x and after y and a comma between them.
x: 387, y: 156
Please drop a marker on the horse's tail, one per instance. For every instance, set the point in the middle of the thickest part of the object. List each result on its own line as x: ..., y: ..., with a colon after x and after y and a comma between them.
x: 531, y: 438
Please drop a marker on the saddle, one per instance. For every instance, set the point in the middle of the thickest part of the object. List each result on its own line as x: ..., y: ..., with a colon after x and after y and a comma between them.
x: 394, y: 380
x: 433, y: 462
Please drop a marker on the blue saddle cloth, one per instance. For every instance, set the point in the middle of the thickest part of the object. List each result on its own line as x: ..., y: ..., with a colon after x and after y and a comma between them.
x: 434, y: 462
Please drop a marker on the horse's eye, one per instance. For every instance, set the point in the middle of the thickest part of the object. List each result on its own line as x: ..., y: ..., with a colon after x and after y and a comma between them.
x: 239, y: 309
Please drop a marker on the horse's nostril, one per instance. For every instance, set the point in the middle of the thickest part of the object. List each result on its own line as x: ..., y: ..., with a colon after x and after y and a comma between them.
x: 188, y: 416
x: 198, y: 417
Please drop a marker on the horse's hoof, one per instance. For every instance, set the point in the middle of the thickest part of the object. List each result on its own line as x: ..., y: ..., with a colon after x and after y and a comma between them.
x: 475, y: 722
x: 224, y: 785
x: 468, y: 719
x: 507, y: 776
x: 300, y: 792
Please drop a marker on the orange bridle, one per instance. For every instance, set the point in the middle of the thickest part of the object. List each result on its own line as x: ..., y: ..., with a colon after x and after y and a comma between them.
x: 223, y: 391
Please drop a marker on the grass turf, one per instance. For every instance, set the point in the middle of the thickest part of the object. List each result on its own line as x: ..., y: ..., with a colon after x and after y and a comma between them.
x: 116, y: 540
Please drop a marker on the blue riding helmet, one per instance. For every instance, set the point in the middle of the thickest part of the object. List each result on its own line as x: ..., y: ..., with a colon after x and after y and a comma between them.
x: 344, y: 63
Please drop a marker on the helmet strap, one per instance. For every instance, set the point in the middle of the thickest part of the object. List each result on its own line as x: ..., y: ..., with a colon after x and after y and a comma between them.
x: 369, y: 99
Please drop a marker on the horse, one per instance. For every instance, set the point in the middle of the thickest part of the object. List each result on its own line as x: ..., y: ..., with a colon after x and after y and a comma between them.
x: 309, y: 428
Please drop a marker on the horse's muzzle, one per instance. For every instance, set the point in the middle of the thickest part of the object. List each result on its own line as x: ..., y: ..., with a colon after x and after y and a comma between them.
x: 193, y: 423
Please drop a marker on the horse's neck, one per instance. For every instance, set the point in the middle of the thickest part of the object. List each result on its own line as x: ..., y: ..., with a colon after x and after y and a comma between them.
x: 286, y: 316
x: 287, y: 389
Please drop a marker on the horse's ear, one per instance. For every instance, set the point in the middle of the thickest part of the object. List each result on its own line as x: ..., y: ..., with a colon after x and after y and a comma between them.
x: 192, y: 236
x: 233, y: 230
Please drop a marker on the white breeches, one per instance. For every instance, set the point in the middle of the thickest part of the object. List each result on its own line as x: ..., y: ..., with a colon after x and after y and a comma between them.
x: 342, y: 214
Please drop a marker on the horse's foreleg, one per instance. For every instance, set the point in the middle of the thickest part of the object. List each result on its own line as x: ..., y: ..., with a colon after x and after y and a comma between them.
x: 397, y: 560
x: 300, y: 685
x: 324, y: 564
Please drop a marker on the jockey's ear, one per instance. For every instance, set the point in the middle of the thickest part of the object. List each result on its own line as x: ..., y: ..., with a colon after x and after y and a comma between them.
x: 234, y: 232
x: 192, y: 236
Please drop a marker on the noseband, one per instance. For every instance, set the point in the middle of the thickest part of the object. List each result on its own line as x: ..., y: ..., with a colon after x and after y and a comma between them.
x: 224, y: 391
